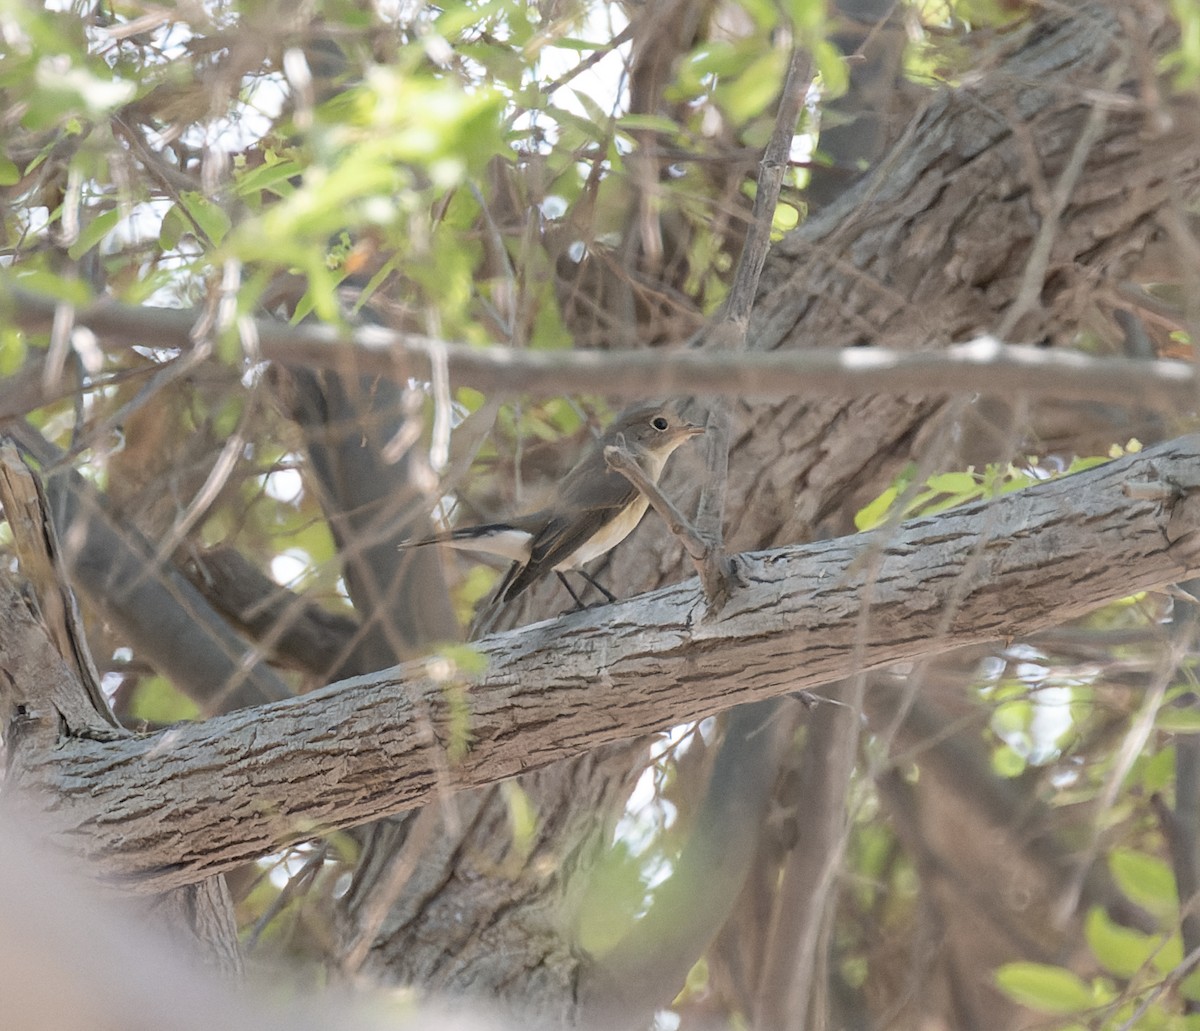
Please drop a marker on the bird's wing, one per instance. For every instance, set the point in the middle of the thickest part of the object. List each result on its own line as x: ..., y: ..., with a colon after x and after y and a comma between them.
x: 563, y: 534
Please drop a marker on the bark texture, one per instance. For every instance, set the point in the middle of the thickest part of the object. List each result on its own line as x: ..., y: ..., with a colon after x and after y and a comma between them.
x: 171, y: 808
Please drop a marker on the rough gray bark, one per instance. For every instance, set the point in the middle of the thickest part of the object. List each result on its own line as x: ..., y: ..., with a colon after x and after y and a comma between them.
x: 168, y: 809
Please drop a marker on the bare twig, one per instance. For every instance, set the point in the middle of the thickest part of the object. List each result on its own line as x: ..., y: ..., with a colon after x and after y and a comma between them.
x: 730, y: 333
x: 770, y: 180
x: 621, y: 459
x: 1034, y: 276
x: 984, y: 366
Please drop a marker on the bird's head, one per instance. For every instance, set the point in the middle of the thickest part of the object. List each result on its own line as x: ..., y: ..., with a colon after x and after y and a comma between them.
x: 654, y: 429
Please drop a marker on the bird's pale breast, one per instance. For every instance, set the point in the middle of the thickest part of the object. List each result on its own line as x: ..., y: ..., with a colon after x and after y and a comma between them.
x: 616, y: 530
x: 608, y: 536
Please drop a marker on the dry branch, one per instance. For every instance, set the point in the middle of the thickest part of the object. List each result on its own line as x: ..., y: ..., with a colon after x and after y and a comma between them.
x: 983, y: 365
x: 201, y: 798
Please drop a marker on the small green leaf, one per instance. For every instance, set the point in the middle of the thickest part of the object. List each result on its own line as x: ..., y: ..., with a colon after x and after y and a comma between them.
x: 578, y: 45
x: 211, y: 219
x: 875, y: 512
x: 174, y: 225
x: 1012, y: 717
x: 12, y: 350
x: 522, y: 817
x: 1007, y: 762
x: 10, y: 175
x: 1045, y: 988
x: 466, y: 659
x: 806, y: 14
x: 785, y: 218
x: 157, y: 700
x: 1079, y: 465
x: 599, y: 117
x: 1120, y: 950
x: 1146, y: 880
x: 831, y: 63
x: 39, y: 281
x: 748, y: 95
x: 1157, y: 770
x: 272, y: 177
x: 95, y: 231
x: 1178, y: 721
x: 955, y: 483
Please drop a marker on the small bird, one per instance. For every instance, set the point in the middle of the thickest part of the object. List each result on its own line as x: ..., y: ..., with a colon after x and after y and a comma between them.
x: 593, y: 509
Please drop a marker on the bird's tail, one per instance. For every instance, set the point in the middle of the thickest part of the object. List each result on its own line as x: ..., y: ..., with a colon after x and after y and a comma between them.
x: 500, y: 539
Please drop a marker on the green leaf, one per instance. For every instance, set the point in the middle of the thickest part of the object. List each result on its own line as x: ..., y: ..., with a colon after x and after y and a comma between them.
x: 39, y: 281
x: 1177, y: 720
x: 807, y: 15
x: 786, y: 217
x: 831, y: 63
x: 749, y: 94
x: 95, y: 231
x: 614, y: 893
x: 465, y: 659
x: 579, y: 45
x: 1156, y: 770
x: 1079, y: 465
x: 10, y: 175
x: 965, y: 484
x: 1007, y: 762
x: 1045, y: 988
x: 1012, y: 717
x: 651, y: 123
x: 598, y: 116
x: 1120, y: 950
x: 211, y: 219
x: 174, y: 225
x: 272, y: 177
x: 522, y: 818
x: 1146, y: 880
x: 12, y: 350
x: 1170, y: 955
x: 68, y: 86
x: 157, y: 700
x: 875, y: 512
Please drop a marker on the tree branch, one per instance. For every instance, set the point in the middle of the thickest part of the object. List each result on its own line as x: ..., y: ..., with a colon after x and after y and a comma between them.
x: 716, y: 569
x: 983, y: 365
x: 201, y: 798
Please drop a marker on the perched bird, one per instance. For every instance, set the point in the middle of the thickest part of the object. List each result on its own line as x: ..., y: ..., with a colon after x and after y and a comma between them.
x: 593, y: 508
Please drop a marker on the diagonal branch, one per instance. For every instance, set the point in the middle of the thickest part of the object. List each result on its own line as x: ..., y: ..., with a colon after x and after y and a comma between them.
x: 173, y: 807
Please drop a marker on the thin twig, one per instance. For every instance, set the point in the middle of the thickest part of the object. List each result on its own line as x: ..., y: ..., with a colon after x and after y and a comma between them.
x: 718, y: 574
x: 1034, y: 277
x: 730, y: 332
x: 770, y: 180
x: 621, y: 460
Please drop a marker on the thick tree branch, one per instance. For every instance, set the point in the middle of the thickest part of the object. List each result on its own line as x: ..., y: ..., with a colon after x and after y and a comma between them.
x: 200, y: 798
x: 983, y: 365
x: 115, y: 567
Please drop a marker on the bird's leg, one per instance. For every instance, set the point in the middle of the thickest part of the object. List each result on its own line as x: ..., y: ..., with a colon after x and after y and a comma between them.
x: 579, y: 605
x: 598, y: 585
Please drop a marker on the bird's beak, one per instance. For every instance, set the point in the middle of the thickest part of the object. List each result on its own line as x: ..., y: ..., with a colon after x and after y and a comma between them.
x: 690, y: 429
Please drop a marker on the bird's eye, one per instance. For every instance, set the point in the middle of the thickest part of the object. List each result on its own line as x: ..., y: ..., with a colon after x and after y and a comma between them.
x: 659, y: 423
